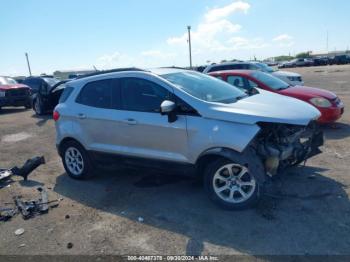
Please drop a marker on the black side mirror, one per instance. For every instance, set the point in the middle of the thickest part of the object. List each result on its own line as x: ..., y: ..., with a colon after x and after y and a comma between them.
x: 168, y: 108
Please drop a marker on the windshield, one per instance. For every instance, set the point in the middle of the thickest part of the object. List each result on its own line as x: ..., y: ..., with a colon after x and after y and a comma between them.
x: 205, y: 87
x: 265, y: 68
x: 7, y: 81
x: 51, y: 81
x: 269, y: 80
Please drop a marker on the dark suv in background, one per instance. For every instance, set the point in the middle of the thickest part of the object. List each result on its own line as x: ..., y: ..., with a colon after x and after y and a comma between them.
x: 39, y: 84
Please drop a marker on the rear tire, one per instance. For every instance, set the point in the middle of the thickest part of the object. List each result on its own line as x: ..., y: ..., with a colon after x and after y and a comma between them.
x: 231, y: 185
x: 76, y: 161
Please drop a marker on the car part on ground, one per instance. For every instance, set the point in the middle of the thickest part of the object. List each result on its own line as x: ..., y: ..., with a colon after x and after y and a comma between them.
x: 182, y: 121
x: 29, y: 208
x: 23, y: 171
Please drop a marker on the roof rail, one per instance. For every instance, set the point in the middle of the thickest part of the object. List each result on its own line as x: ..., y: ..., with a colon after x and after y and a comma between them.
x: 111, y: 71
x: 175, y: 67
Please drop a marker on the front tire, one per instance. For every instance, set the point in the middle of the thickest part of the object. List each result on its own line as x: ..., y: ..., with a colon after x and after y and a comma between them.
x: 76, y: 161
x: 231, y: 185
x: 37, y: 106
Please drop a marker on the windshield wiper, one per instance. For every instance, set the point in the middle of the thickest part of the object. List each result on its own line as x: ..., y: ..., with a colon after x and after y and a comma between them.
x: 240, y: 97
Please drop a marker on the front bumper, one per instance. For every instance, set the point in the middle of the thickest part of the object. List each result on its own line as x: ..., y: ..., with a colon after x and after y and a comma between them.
x: 331, y: 114
x: 15, y: 101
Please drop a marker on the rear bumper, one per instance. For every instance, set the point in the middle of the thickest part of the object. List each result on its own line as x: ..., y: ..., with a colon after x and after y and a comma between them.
x: 15, y: 101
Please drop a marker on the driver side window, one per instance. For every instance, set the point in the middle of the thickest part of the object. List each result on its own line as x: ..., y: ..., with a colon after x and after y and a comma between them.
x: 237, y: 81
x: 142, y: 95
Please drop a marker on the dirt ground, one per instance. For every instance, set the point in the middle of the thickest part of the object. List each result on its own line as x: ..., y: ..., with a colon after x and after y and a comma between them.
x: 308, y: 211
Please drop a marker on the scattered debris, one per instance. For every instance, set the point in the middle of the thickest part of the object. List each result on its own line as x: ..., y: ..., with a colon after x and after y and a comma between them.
x: 31, y: 208
x: 22, y: 245
x: 23, y: 171
x: 19, y: 231
x: 140, y: 219
x: 7, y: 213
x: 69, y: 245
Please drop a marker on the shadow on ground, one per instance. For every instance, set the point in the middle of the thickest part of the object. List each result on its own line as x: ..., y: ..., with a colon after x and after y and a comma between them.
x: 336, y: 131
x: 11, y: 110
x: 41, y: 119
x: 303, y: 212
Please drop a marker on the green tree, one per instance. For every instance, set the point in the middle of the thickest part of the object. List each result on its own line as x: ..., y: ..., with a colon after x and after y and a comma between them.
x: 303, y: 55
x: 283, y: 58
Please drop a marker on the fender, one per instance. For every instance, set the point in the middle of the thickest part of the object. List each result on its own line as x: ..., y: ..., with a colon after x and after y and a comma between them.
x: 247, y: 158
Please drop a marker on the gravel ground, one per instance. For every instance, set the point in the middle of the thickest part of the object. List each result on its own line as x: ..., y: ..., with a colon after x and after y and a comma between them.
x: 140, y: 212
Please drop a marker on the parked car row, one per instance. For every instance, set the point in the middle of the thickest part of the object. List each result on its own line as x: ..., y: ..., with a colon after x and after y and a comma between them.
x: 317, y: 61
x: 289, y: 77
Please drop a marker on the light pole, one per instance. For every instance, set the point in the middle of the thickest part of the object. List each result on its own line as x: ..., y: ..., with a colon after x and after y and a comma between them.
x: 30, y: 71
x: 189, y: 45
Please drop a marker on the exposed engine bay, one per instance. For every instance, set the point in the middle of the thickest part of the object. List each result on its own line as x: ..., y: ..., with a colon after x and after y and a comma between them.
x: 283, y: 145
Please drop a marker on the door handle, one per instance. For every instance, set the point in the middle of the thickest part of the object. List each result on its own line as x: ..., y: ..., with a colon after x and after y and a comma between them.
x: 130, y: 121
x: 81, y: 116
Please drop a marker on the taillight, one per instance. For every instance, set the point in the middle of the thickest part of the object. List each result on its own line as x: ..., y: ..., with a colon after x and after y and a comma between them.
x: 56, y: 115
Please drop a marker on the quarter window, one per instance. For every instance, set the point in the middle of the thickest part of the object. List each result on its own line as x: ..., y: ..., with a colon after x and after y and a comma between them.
x: 97, y: 94
x: 142, y: 95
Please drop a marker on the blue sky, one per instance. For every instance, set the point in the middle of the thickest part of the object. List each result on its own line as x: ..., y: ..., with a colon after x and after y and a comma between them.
x: 77, y: 34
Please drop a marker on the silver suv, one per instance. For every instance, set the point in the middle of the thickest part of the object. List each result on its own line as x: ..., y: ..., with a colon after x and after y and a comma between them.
x: 184, y: 122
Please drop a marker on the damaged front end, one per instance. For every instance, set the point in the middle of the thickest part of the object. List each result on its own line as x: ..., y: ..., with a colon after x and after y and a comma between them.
x: 283, y: 145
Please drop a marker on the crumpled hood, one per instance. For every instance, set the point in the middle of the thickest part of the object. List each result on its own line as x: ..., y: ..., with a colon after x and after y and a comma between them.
x: 308, y: 92
x: 286, y: 73
x: 264, y: 107
x: 8, y: 87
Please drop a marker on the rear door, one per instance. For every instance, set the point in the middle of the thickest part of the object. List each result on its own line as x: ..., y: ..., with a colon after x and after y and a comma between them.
x: 94, y: 115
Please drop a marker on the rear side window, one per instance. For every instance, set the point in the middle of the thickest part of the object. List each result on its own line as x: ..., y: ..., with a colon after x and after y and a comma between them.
x: 142, y: 95
x: 96, y: 94
x: 66, y: 93
x: 34, y: 83
x: 228, y: 67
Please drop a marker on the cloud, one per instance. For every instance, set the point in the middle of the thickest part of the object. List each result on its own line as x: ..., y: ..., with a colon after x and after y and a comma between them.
x: 284, y: 40
x: 283, y: 37
x: 223, y: 12
x: 217, y: 36
x: 157, y: 54
x: 144, y: 59
x: 113, y: 60
x: 214, y: 30
x: 244, y: 43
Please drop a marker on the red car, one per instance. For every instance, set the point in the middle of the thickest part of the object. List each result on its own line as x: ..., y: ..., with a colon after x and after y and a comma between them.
x: 14, y: 94
x: 326, y: 102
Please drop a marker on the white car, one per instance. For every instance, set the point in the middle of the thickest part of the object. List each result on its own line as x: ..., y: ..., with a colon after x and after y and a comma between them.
x: 294, y: 79
x: 291, y: 78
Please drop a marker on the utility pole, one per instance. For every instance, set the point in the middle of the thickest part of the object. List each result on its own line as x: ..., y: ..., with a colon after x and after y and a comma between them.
x: 30, y: 71
x: 189, y: 45
x: 327, y: 42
